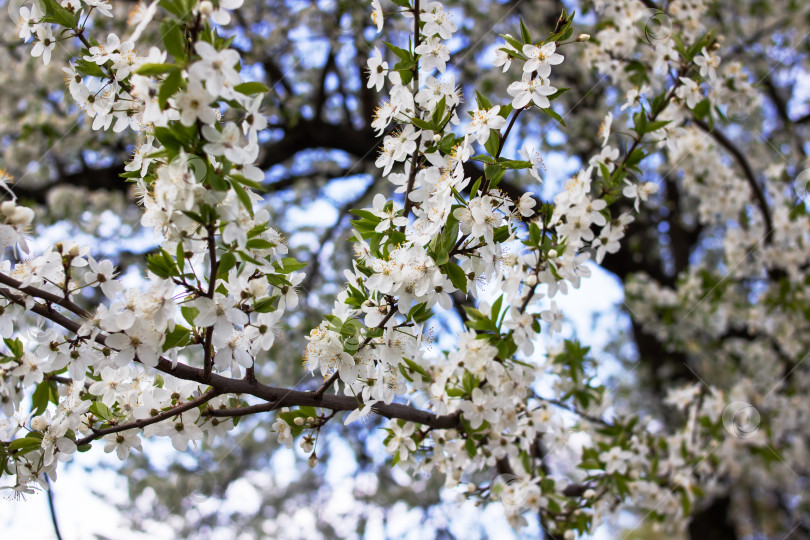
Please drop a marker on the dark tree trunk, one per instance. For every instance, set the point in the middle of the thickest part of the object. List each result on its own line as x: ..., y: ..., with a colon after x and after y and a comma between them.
x: 713, y: 522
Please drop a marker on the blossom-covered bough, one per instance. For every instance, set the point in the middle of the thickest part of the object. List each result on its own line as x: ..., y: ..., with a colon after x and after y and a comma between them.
x: 180, y: 357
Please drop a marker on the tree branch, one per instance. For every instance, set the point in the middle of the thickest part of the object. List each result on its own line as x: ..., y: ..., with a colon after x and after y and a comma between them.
x: 137, y: 424
x: 281, y: 397
x: 726, y: 143
x: 212, y: 284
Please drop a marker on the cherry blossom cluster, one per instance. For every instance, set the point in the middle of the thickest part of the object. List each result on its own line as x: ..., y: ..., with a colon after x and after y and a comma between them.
x: 176, y: 357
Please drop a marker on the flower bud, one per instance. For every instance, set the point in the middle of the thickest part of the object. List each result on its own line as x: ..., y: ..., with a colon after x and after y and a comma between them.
x: 589, y: 494
x: 8, y: 207
x: 552, y: 253
x: 22, y: 216
x: 39, y: 423
x: 312, y: 461
x: 299, y: 421
x: 206, y: 8
x: 437, y: 137
x: 583, y: 37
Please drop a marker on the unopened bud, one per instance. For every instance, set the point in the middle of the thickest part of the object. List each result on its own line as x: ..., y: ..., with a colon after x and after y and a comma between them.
x: 299, y: 421
x: 39, y: 423
x: 21, y: 216
x: 552, y: 253
x: 8, y: 207
x: 583, y: 37
x: 312, y: 461
x: 206, y: 8
x: 437, y: 137
x: 589, y: 494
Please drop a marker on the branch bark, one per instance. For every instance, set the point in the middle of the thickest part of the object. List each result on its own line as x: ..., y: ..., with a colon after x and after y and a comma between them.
x: 280, y: 397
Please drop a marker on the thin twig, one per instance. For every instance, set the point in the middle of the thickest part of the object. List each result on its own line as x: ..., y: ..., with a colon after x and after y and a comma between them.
x: 52, y: 509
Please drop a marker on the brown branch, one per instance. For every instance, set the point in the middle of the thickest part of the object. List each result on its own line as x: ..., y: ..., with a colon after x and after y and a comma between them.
x: 45, y: 295
x: 212, y: 284
x: 415, y: 159
x: 742, y: 161
x: 137, y: 424
x: 241, y: 411
x: 280, y: 397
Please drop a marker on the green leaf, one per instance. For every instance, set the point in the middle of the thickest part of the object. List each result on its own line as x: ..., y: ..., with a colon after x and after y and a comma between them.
x: 15, y: 346
x: 168, y: 138
x: 39, y: 401
x: 405, y: 73
x: 158, y: 265
x: 524, y: 32
x: 469, y: 445
x: 406, y: 56
x: 248, y: 182
x: 653, y: 126
x: 494, y: 174
x: 179, y: 337
x: 264, y: 305
x: 24, y: 445
x: 605, y: 173
x: 277, y: 281
x: 456, y: 276
x: 169, y: 87
x: 288, y: 265
x: 89, y: 68
x: 493, y: 143
x: 251, y: 88
x: 483, y: 102
x: 243, y: 197
x: 701, y: 110
x: 174, y: 7
x: 558, y: 93
x: 496, y: 308
x: 475, y: 186
x: 438, y: 113
x: 506, y: 347
x: 259, y: 243
x: 180, y: 254
x: 189, y: 313
x: 421, y: 124
x: 156, y: 69
x: 57, y: 14
x: 100, y: 410
x: 217, y: 182
x: 173, y: 38
x: 365, y: 214
x: 515, y: 44
x: 514, y: 164
x: 226, y: 262
x: 549, y: 111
